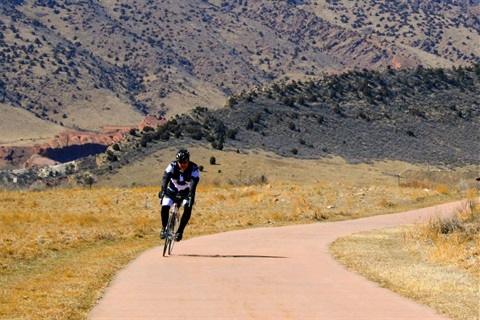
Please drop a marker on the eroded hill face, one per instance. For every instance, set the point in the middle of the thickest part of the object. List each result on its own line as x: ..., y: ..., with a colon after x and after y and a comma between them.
x: 65, y: 61
x: 63, y: 147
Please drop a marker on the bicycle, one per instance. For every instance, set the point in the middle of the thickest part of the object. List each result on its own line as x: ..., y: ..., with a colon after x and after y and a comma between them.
x: 172, y: 225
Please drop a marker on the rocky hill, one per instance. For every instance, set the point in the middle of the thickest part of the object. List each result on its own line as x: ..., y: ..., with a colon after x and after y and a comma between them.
x: 360, y: 79
x: 64, y: 61
x: 424, y: 116
x: 427, y: 116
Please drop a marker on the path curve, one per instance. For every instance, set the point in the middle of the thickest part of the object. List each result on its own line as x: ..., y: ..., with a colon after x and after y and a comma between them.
x: 263, y: 273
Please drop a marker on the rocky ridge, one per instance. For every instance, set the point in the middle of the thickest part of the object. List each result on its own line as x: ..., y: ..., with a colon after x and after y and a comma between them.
x: 421, y: 116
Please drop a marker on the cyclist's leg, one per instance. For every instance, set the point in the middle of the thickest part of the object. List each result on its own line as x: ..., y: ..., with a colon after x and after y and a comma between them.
x: 166, y: 204
x: 164, y: 213
x: 187, y: 212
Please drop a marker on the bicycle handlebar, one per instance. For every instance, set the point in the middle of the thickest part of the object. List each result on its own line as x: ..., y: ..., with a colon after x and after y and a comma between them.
x: 179, y: 199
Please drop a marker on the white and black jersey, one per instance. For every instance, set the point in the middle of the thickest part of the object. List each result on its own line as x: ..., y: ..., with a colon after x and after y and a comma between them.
x: 177, y: 181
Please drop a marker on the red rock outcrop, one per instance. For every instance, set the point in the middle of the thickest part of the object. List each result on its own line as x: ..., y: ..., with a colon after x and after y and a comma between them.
x: 152, y: 121
x: 14, y: 157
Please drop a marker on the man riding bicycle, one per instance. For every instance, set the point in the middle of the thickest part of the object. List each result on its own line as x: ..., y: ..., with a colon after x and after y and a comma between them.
x: 180, y: 177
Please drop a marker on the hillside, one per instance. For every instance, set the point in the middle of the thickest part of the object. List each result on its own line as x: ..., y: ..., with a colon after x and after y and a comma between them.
x: 422, y: 116
x: 426, y: 116
x: 63, y: 61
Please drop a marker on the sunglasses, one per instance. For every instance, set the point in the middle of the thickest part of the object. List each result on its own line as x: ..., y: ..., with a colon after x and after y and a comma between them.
x: 183, y: 162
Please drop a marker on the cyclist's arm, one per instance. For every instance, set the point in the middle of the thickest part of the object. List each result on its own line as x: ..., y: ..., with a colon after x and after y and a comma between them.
x: 165, y: 180
x: 195, y: 178
x: 193, y: 186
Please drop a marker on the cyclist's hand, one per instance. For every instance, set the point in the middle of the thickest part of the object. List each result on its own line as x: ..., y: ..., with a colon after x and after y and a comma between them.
x: 191, y: 200
x: 161, y: 194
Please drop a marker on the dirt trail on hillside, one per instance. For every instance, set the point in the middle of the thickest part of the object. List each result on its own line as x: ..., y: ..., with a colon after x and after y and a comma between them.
x: 265, y: 273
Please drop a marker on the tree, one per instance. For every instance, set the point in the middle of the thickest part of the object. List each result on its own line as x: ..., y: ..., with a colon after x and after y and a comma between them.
x: 249, y: 124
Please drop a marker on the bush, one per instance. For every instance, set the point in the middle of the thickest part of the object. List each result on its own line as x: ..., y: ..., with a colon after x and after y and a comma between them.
x: 217, y: 145
x: 197, y: 135
x: 249, y: 125
x: 210, y: 138
x: 231, y: 134
x: 213, y: 161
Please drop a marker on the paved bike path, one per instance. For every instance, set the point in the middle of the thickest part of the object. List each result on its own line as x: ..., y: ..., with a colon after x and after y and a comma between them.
x: 264, y: 273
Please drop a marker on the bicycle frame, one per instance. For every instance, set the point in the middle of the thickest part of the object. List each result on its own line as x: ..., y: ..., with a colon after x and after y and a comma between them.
x: 172, y: 225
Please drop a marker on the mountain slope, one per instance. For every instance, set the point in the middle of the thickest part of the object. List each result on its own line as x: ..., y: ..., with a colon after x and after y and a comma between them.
x: 426, y: 116
x: 418, y: 116
x: 63, y: 60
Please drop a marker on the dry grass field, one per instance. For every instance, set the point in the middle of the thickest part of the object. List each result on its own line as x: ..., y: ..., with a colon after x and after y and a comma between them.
x: 244, y: 167
x: 60, y: 247
x: 436, y: 263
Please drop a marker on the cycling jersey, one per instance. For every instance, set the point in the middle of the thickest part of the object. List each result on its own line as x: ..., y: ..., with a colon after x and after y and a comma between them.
x: 177, y: 181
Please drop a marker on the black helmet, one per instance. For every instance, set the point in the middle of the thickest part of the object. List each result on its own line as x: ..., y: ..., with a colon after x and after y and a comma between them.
x: 183, y: 155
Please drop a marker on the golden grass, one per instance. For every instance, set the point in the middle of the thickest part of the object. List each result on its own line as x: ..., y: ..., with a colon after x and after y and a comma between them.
x: 435, y: 263
x: 454, y: 240
x: 59, y: 248
x: 383, y: 257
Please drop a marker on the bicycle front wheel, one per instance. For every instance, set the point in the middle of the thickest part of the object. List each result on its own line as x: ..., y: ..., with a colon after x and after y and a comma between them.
x: 175, y: 224
x: 170, y: 246
x: 167, y: 241
x: 169, y: 237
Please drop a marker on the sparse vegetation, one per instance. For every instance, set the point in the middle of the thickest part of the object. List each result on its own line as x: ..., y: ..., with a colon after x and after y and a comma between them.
x: 453, y: 240
x: 347, y: 124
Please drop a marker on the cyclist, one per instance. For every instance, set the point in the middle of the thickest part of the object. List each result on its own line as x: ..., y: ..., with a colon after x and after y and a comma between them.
x: 180, y: 177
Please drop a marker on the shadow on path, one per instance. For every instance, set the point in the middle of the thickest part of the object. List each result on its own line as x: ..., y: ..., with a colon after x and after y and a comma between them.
x: 230, y: 256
